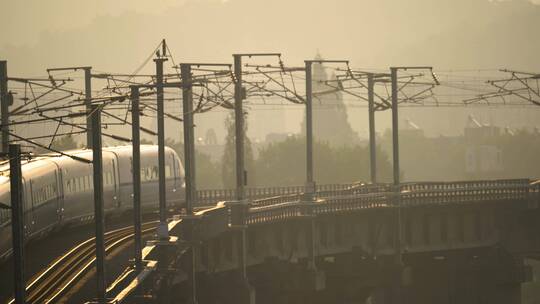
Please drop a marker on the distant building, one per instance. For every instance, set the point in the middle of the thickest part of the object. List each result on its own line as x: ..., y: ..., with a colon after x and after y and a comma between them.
x: 411, y: 130
x: 330, y: 119
x: 482, y: 156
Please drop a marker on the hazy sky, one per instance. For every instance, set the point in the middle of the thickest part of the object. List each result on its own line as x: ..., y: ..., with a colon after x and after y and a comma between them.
x: 117, y: 36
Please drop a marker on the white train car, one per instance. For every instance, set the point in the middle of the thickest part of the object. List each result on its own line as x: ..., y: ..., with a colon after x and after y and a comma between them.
x: 58, y: 190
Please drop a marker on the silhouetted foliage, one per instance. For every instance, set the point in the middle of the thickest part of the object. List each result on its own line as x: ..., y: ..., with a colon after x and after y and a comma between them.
x: 444, y: 158
x: 228, y: 162
x: 64, y: 143
x: 284, y: 163
x: 149, y: 142
x: 207, y: 172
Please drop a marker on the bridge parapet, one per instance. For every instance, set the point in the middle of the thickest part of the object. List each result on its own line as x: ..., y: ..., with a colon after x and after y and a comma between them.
x: 436, y: 218
x: 339, y: 198
x: 465, y: 192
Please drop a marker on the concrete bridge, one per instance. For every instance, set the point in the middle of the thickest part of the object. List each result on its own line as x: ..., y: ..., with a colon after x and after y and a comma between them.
x: 459, y: 242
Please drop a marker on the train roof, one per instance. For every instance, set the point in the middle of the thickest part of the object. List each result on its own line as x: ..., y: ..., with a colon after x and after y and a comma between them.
x: 39, y: 161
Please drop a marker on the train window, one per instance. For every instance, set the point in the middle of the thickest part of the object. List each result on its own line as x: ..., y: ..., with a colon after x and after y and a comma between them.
x: 43, y: 194
x: 154, y: 173
x: 147, y: 174
x: 70, y: 185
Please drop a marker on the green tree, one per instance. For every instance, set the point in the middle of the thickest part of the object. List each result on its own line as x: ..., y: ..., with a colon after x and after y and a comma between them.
x: 206, y: 171
x: 64, y: 143
x: 284, y: 163
x: 228, y: 172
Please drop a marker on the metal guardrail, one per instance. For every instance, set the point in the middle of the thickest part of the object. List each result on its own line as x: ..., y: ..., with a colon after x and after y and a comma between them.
x: 265, y: 195
x: 359, y: 197
x: 337, y: 198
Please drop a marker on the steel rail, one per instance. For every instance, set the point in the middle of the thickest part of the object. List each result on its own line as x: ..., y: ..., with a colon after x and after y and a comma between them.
x: 53, y: 282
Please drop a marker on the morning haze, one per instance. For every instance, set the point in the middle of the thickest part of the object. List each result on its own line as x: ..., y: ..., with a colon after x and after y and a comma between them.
x: 467, y: 162
x: 449, y: 35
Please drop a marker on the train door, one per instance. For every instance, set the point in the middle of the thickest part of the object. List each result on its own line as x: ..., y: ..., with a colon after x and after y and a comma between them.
x: 174, y: 172
x: 60, y: 195
x: 174, y: 168
x: 28, y: 207
x: 45, y: 202
x: 115, y: 183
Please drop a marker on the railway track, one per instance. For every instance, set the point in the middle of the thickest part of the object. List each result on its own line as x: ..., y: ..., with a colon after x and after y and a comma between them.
x: 59, y: 277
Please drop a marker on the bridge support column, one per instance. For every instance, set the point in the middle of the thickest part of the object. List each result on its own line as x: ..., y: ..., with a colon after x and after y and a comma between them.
x: 166, y: 253
x: 391, y: 279
x: 486, y: 276
x: 241, y: 292
x: 352, y: 277
x: 283, y: 282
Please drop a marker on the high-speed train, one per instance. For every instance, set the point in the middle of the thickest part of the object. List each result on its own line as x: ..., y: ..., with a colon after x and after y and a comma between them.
x: 58, y: 190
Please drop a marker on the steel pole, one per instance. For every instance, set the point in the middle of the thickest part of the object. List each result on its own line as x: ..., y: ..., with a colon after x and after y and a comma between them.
x: 136, y: 165
x: 163, y: 231
x: 310, y: 184
x: 397, y: 188
x: 189, y: 136
x: 189, y: 162
x: 395, y: 126
x: 17, y: 222
x: 4, y: 105
x: 99, y: 214
x: 88, y: 103
x: 240, y: 168
x: 372, y: 138
x: 239, y: 128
